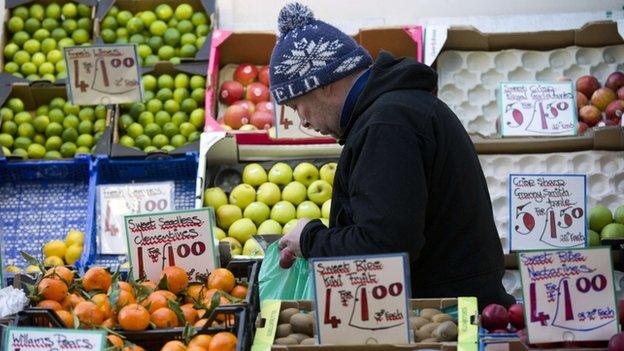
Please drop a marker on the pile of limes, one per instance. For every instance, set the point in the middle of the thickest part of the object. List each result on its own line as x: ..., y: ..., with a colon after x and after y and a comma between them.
x: 38, y: 34
x: 171, y: 115
x: 56, y: 130
x: 164, y: 34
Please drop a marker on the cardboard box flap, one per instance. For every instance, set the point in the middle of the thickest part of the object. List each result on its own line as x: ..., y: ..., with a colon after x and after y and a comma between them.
x: 600, y: 33
x: 392, y: 39
x: 166, y: 67
x: 251, y: 47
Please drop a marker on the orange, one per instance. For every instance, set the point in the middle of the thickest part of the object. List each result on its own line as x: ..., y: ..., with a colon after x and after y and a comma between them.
x: 101, y: 300
x: 196, y: 348
x: 154, y: 301
x: 125, y: 298
x: 201, y: 340
x: 167, y: 294
x: 133, y: 317
x: 174, y: 345
x: 150, y: 284
x: 223, y: 341
x: 177, y: 279
x: 50, y: 304
x: 67, y: 318
x: 133, y: 348
x: 221, y: 279
x: 126, y: 287
x: 190, y: 314
x: 89, y: 314
x: 52, y: 289
x: 195, y: 293
x: 164, y: 318
x: 70, y: 301
x: 115, y: 340
x: 239, y: 291
x: 110, y: 323
x: 61, y: 272
x: 97, y: 278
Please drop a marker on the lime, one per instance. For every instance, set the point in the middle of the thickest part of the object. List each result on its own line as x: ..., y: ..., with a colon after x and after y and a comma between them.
x: 197, y: 118
x: 71, y: 109
x: 151, y: 60
x: 134, y: 25
x: 20, y: 38
x: 69, y: 134
x: 184, y: 12
x: 175, y: 60
x: 49, y: 77
x: 80, y: 36
x: 171, y: 106
x: 84, y: 23
x: 198, y: 95
x: 39, y: 139
x: 85, y: 127
x: 136, y: 109
x: 53, y: 129
x: 32, y: 46
x: 121, y: 33
x: 6, y: 114
x: 54, y: 56
x: 53, y: 155
x: 97, y: 136
x: 172, y: 23
x: 36, y: 151
x: 155, y: 43
x: 33, y: 77
x: 6, y: 140
x: 165, y: 81
x: 40, y: 123
x: 146, y: 118
x: 20, y: 153
x: 21, y: 12
x: 15, y: 24
x: 69, y: 10
x: 70, y: 25
x: 85, y: 140
x: 99, y: 125
x: 158, y: 28
x: 123, y: 17
x: 150, y: 148
x: 83, y: 150
x: 136, y: 39
x: 134, y: 130
x: 160, y: 140
x: 114, y: 10
x: 198, y: 81
x: 26, y: 130
x: 171, y: 37
x: 125, y: 120
x: 164, y: 12
x: 152, y: 129
x: 142, y: 141
x: 126, y: 141
x: 21, y: 57
x: 53, y: 143
x: 188, y: 105
x: 162, y: 117
x: 148, y: 95
x: 41, y: 34
x: 108, y: 35
x: 154, y: 106
x: 168, y: 148
x: 202, y: 30
x: 53, y: 11
x: 28, y: 68
x: 170, y: 129
x: 46, y: 68
x: 47, y: 45
x: 180, y: 94
x: 179, y: 118
x: 10, y: 49
x: 144, y: 50
x: 188, y: 50
x: 187, y: 128
x: 65, y: 42
x: 57, y: 102
x: 188, y: 39
x: 164, y: 94
x: 166, y: 52
x: 22, y: 143
x: 100, y: 111
x: 38, y: 58
x: 60, y: 67
x: 149, y: 82
x: 56, y: 115
x: 68, y: 149
x: 199, y: 18
x: 86, y: 114
x: 31, y: 25
x: 42, y: 110
x: 11, y: 67
x: 49, y: 24
x: 9, y: 127
x: 23, y: 117
x: 84, y: 10
x: 178, y: 140
x: 109, y: 23
x: 185, y: 26
x: 6, y: 151
x: 58, y: 34
x: 599, y: 217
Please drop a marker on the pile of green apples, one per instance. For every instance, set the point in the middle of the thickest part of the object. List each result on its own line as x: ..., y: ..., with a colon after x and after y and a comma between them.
x: 53, y: 131
x: 270, y: 201
x: 164, y: 34
x: 604, y: 224
x: 38, y: 34
x: 171, y: 115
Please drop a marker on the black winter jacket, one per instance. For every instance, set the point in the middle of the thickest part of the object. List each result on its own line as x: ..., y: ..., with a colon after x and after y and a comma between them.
x: 409, y: 180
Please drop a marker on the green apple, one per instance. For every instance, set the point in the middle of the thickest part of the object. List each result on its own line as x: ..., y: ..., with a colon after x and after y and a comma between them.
x: 283, y: 211
x: 308, y: 209
x: 228, y: 214
x: 280, y: 174
x: 242, y: 195
x: 319, y: 191
x: 268, y: 193
x: 252, y: 248
x: 325, y: 221
x: 593, y: 238
x: 235, y: 247
x: 289, y: 226
x: 618, y: 215
x: 242, y: 230
x: 254, y: 174
x: 326, y: 209
x: 294, y: 192
x: 613, y: 231
x: 218, y: 233
x: 270, y: 226
x: 599, y: 217
x: 257, y: 211
x: 306, y: 173
x: 328, y: 171
x: 215, y: 198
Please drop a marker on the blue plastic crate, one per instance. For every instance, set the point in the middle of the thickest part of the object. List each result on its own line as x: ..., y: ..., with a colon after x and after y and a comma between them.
x: 41, y: 201
x: 180, y: 169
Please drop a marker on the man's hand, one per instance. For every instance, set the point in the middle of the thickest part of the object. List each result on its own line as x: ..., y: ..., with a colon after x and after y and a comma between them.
x: 289, y: 244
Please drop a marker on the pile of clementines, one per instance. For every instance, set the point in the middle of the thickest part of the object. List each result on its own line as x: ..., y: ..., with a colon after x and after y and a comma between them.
x: 99, y: 300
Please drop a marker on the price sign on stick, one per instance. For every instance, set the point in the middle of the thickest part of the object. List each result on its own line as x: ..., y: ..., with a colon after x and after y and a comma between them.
x: 38, y: 339
x: 362, y: 300
x: 177, y: 238
x: 537, y: 109
x: 547, y: 211
x: 568, y: 295
x: 288, y: 125
x: 103, y: 74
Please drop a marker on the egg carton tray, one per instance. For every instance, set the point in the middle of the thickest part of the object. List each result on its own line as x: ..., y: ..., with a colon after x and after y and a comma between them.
x: 604, y: 170
x: 468, y: 80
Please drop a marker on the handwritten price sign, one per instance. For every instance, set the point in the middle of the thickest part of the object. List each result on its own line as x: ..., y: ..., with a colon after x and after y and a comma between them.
x: 569, y: 295
x: 547, y: 211
x: 38, y: 339
x: 288, y: 125
x: 537, y: 109
x: 177, y: 238
x: 362, y: 300
x: 103, y: 74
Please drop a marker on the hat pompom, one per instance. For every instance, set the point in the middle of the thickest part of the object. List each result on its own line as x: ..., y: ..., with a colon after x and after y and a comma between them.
x: 294, y: 15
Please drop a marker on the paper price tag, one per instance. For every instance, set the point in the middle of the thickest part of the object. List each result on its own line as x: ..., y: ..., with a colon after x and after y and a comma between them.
x: 537, y: 109
x: 177, y: 238
x: 103, y: 74
x: 39, y: 339
x: 569, y: 295
x: 547, y: 211
x: 362, y: 300
x: 288, y: 125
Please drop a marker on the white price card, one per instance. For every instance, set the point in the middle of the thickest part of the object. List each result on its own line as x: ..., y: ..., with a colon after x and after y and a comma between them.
x: 362, y: 299
x: 569, y: 295
x: 116, y: 201
x: 547, y: 211
x: 103, y: 74
x: 177, y: 238
x: 537, y: 109
x: 40, y: 339
x: 288, y: 125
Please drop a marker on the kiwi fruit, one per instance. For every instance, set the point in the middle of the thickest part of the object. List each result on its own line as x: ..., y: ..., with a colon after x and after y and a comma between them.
x: 446, y: 331
x: 308, y: 341
x: 429, y: 340
x: 283, y: 330
x: 418, y: 322
x: 302, y: 323
x: 442, y: 317
x: 300, y: 337
x: 429, y: 328
x: 429, y: 313
x: 284, y: 316
x: 289, y: 340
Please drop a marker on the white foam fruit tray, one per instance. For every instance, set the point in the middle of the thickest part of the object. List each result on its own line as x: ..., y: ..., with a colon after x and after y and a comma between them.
x: 468, y: 80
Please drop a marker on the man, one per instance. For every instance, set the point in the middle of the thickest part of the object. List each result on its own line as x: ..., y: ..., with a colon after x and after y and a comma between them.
x: 408, y: 179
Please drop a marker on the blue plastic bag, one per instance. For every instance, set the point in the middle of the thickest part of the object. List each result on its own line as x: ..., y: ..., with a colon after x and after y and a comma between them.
x: 276, y: 283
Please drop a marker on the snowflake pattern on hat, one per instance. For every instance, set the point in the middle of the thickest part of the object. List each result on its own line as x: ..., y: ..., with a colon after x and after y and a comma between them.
x: 307, y: 56
x: 349, y: 64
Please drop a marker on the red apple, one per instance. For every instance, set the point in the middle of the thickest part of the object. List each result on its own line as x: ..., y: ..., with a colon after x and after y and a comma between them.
x: 246, y: 104
x: 602, y: 98
x: 263, y: 75
x: 262, y: 119
x: 235, y: 116
x: 582, y: 128
x: 615, y: 110
x: 257, y: 92
x: 616, y: 343
x: 245, y: 73
x: 581, y: 100
x: 620, y: 93
x: 615, y: 81
x: 231, y: 91
x: 590, y: 115
x: 587, y: 85
x: 516, y: 315
x: 266, y: 106
x: 494, y: 317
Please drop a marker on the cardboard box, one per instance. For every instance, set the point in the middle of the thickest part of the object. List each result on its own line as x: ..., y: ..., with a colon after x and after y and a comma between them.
x: 165, y: 67
x: 36, y: 94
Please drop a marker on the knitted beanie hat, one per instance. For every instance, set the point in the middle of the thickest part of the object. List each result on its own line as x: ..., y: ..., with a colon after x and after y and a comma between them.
x: 310, y: 53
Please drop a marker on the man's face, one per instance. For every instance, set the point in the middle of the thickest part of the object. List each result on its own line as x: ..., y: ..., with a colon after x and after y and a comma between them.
x: 319, y: 112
